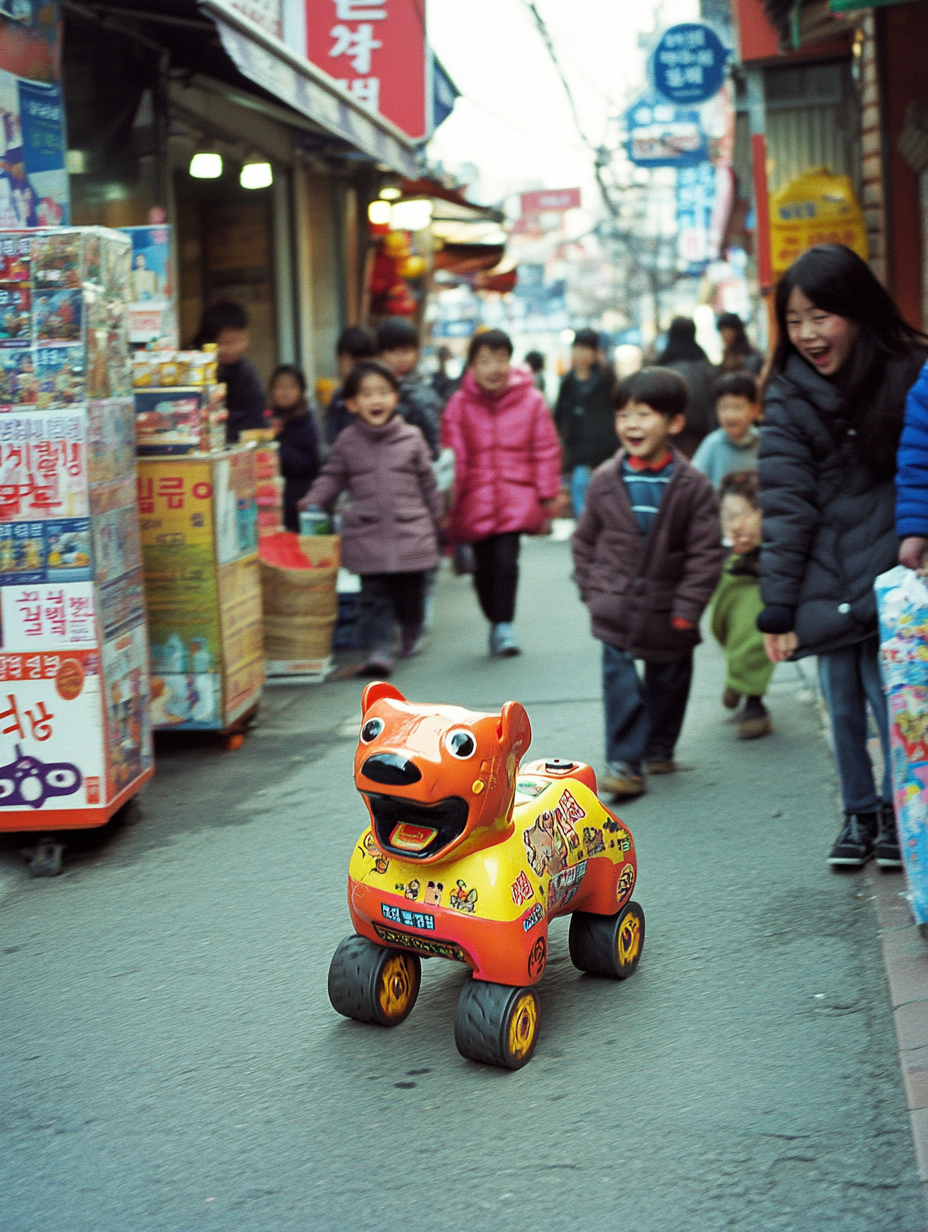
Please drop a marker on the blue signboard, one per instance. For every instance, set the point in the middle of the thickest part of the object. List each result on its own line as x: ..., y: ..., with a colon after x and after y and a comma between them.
x: 695, y: 202
x: 688, y: 65
x: 661, y: 134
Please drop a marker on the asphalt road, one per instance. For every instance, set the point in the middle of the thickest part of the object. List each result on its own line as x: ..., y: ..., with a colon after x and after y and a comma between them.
x: 170, y: 1059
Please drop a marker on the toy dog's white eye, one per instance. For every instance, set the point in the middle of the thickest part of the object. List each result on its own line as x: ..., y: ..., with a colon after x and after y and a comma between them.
x: 461, y: 744
x: 371, y: 730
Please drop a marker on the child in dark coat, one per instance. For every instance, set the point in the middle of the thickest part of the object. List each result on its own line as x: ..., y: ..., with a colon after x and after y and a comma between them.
x: 297, y: 438
x: 647, y: 556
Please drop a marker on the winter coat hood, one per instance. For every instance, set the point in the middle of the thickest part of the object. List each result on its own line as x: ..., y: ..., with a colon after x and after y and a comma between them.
x: 520, y: 380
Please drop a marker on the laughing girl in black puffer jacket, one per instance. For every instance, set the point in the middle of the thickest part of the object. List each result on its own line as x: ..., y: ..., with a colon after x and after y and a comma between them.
x: 832, y: 418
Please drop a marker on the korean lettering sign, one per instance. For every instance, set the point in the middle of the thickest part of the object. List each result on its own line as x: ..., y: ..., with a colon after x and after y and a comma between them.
x: 688, y: 65
x: 43, y: 466
x: 377, y: 50
x: 48, y: 616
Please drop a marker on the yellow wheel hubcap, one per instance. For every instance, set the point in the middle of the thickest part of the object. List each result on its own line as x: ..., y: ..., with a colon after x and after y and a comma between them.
x: 629, y: 940
x: 523, y: 1025
x: 396, y: 986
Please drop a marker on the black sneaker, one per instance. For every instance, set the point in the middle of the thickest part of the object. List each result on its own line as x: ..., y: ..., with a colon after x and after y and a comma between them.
x: 888, y: 854
x: 855, y: 843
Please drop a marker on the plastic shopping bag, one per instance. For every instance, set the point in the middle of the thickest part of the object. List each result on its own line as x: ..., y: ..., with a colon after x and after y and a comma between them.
x: 902, y: 599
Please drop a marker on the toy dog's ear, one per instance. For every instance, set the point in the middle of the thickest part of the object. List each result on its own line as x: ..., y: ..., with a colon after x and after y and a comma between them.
x: 377, y: 690
x: 515, y: 731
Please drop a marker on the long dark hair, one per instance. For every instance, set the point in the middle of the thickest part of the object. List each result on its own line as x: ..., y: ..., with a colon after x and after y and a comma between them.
x: 886, y: 356
x: 681, y: 342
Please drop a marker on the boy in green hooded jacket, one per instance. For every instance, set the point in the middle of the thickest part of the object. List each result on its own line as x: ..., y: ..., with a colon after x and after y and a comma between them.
x: 737, y: 603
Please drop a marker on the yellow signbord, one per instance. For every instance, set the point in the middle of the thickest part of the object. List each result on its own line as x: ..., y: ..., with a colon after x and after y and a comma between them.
x: 816, y: 208
x: 175, y: 502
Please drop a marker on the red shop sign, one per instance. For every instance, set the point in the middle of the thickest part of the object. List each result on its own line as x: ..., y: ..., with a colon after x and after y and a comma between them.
x: 377, y: 50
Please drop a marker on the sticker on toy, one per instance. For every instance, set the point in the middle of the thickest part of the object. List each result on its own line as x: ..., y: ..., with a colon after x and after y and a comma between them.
x: 522, y: 890
x: 463, y: 899
x: 411, y: 919
x: 536, y: 959
x: 545, y: 848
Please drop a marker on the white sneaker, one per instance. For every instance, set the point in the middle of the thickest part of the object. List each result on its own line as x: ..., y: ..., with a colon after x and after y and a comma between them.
x: 503, y: 641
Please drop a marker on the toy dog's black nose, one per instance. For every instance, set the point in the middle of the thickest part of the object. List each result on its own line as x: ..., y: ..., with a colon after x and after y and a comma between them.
x: 391, y: 769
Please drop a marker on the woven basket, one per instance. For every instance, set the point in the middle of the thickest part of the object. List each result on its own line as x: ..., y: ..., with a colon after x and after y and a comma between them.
x: 298, y: 637
x: 298, y: 592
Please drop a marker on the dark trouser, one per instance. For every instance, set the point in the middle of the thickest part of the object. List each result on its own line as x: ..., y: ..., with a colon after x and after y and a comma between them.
x: 496, y: 576
x: 386, y: 597
x: 850, y: 679
x: 643, y: 717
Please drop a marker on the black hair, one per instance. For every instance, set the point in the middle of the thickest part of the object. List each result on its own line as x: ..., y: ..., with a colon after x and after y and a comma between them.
x: 885, y: 358
x: 621, y: 394
x: 493, y: 340
x: 224, y: 314
x: 662, y: 389
x: 742, y: 483
x: 367, y: 367
x: 738, y: 384
x: 357, y: 342
x: 535, y: 360
x: 731, y: 320
x: 297, y: 374
x: 396, y: 332
x: 586, y: 338
x: 681, y: 342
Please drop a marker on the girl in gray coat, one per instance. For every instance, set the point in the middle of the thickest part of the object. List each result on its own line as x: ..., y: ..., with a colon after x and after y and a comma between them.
x: 390, y: 528
x: 832, y: 419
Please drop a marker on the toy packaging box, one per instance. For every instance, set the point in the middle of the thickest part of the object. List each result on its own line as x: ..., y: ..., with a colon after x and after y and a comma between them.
x: 75, y: 738
x: 902, y: 598
x: 199, y: 544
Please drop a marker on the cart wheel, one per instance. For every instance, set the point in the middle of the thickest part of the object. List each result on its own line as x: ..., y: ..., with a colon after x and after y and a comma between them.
x: 234, y: 741
x: 497, y: 1024
x: 607, y: 945
x: 371, y: 983
x: 45, y: 860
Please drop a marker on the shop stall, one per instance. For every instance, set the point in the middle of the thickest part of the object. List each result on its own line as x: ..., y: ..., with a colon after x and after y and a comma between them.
x: 75, y: 741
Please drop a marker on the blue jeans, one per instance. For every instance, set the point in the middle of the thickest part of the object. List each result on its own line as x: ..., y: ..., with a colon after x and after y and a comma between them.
x: 643, y: 717
x: 850, y: 680
x: 579, y: 482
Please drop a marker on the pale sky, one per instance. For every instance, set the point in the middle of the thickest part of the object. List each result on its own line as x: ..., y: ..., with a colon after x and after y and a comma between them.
x: 495, y: 56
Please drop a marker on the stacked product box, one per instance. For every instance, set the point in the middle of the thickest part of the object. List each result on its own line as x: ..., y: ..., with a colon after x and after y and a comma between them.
x: 75, y: 739
x: 269, y: 493
x: 179, y: 405
x: 199, y: 545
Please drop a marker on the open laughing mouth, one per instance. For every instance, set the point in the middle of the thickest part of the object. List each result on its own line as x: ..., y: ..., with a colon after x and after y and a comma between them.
x: 416, y: 831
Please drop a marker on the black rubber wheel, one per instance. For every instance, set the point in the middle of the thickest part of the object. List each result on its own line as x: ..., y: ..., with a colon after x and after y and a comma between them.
x: 372, y: 983
x: 497, y: 1024
x: 46, y: 858
x: 608, y: 945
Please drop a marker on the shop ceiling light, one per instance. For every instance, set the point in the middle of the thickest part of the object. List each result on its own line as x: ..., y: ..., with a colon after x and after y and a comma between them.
x: 256, y: 175
x: 378, y: 212
x: 411, y: 215
x: 390, y: 194
x: 206, y: 165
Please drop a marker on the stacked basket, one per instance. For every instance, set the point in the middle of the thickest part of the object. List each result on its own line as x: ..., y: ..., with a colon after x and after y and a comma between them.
x: 301, y: 610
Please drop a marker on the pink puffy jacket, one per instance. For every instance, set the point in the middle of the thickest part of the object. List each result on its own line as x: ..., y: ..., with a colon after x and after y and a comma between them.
x: 507, y: 458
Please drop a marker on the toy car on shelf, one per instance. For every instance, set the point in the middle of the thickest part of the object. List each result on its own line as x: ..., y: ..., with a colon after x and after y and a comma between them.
x: 468, y: 857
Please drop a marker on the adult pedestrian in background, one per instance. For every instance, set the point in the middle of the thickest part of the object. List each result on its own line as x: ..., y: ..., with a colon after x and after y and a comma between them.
x: 584, y: 414
x: 684, y: 354
x: 738, y: 353
x: 535, y: 361
x: 507, y: 474
x: 833, y: 415
x: 398, y: 347
x: 442, y: 382
x: 226, y: 324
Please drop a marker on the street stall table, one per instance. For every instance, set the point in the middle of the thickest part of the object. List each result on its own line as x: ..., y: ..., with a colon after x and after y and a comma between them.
x: 75, y: 740
x: 203, y: 590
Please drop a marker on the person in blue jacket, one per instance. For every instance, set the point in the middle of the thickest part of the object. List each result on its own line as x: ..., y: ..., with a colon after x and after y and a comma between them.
x: 912, y: 478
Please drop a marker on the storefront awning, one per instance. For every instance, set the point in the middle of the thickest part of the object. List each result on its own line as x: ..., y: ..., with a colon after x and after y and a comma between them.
x: 269, y: 63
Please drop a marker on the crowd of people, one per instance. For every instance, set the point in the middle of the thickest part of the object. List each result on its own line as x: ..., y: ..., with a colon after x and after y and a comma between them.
x: 772, y: 495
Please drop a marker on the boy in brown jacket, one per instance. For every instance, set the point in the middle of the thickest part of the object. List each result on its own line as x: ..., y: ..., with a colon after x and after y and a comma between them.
x: 647, y: 554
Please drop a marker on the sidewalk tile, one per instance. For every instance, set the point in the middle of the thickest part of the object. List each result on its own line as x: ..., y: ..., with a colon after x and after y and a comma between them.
x: 912, y: 1025
x: 919, y: 1119
x: 908, y: 978
x: 915, y: 1076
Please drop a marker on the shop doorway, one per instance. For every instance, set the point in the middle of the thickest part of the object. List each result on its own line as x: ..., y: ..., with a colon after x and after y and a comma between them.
x: 225, y: 250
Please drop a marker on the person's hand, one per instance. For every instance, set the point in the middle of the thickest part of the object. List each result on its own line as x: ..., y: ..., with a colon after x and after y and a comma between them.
x: 912, y: 553
x: 780, y: 646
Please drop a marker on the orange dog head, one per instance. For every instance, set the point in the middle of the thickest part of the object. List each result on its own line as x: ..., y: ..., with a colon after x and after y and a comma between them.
x: 437, y: 779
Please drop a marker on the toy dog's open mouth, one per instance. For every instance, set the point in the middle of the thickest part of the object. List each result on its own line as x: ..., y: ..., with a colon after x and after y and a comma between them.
x: 416, y: 831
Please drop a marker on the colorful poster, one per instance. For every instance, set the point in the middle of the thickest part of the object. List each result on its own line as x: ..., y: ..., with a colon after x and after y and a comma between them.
x: 43, y: 465
x: 125, y: 677
x: 236, y: 509
x: 191, y: 699
x: 175, y: 501
x: 151, y: 310
x: 51, y: 733
x: 48, y: 616
x: 33, y: 552
x: 19, y: 386
x: 57, y: 317
x: 122, y: 603
x: 116, y: 548
x: 110, y: 440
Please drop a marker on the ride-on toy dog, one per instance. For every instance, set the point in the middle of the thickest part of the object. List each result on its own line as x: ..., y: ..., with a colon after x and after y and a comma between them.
x: 468, y: 857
